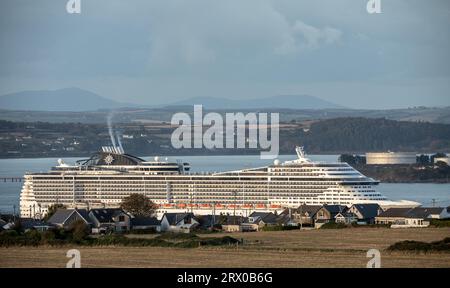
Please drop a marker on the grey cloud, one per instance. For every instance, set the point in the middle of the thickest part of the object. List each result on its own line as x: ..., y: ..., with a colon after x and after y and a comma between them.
x: 154, y: 51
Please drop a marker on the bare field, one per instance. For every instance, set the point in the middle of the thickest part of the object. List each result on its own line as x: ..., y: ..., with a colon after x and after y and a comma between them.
x: 312, y: 248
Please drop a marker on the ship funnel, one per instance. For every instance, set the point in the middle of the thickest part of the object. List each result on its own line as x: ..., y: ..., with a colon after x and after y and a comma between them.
x: 115, y: 150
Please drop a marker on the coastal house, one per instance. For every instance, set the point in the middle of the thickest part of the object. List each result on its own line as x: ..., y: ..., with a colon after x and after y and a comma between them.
x: 439, y: 212
x: 145, y: 223
x: 411, y: 217
x: 285, y: 218
x: 327, y: 213
x: 365, y: 213
x: 110, y: 219
x: 27, y: 224
x: 208, y: 222
x: 261, y: 219
x: 178, y: 222
x: 304, y: 215
x: 234, y: 223
x: 64, y: 218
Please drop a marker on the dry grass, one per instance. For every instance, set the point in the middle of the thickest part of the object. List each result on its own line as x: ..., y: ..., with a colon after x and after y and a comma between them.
x: 314, y: 248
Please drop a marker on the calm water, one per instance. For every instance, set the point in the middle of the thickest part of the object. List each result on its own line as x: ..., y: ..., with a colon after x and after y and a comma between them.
x: 9, y: 192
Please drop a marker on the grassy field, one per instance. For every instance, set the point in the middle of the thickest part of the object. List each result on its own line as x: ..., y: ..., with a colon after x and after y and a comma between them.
x: 310, y: 248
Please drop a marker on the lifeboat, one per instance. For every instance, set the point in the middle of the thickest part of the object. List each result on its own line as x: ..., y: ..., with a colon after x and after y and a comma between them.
x: 260, y: 206
x: 232, y: 206
x: 219, y: 206
x: 247, y: 206
x: 273, y: 206
x: 181, y: 205
x: 205, y: 206
x: 168, y: 206
x: 192, y: 205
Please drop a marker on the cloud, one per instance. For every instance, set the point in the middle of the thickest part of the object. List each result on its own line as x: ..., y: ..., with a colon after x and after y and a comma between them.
x: 303, y: 36
x: 203, y: 32
x: 156, y: 51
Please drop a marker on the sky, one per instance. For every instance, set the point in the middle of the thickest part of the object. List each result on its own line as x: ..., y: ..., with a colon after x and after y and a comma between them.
x: 159, y: 52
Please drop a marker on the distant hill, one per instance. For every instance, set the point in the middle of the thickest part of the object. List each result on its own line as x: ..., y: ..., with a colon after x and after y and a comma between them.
x: 281, y: 101
x: 68, y: 99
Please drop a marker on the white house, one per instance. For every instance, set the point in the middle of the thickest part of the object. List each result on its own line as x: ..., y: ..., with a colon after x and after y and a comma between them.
x: 178, y: 222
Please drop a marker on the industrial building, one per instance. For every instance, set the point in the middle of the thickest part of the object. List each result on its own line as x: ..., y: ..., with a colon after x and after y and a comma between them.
x: 373, y: 158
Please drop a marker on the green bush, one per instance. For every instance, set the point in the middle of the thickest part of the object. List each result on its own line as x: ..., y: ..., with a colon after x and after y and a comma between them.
x: 143, y: 231
x: 440, y: 223
x: 61, y: 237
x: 334, y: 225
x: 279, y: 228
x: 408, y: 245
x: 79, y: 231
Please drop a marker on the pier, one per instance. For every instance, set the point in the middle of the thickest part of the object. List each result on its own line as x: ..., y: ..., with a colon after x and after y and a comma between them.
x: 11, y: 179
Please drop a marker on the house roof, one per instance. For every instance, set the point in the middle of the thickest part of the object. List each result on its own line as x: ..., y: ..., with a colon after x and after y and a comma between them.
x: 207, y: 220
x: 334, y: 209
x: 28, y: 223
x: 266, y: 217
x: 106, y: 215
x: 234, y: 220
x: 310, y: 209
x: 424, y: 212
x: 433, y: 210
x: 7, y: 217
x: 394, y: 212
x: 174, y: 218
x: 260, y: 214
x: 367, y: 210
x: 417, y: 212
x: 145, y: 221
x: 61, y: 215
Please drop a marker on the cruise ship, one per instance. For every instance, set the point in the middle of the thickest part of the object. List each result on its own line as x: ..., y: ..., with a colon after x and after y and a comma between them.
x: 110, y: 175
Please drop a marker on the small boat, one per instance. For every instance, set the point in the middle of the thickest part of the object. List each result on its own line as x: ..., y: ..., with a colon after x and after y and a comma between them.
x: 260, y: 206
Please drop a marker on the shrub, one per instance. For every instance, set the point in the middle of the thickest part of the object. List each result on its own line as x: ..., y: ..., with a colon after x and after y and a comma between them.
x: 79, y: 230
x: 61, y: 237
x: 440, y: 223
x: 143, y: 231
x: 408, y: 245
x: 279, y: 228
x: 333, y: 225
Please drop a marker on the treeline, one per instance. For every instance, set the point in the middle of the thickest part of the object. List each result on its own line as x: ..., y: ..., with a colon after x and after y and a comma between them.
x: 333, y: 136
x: 353, y: 135
x: 407, y: 173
